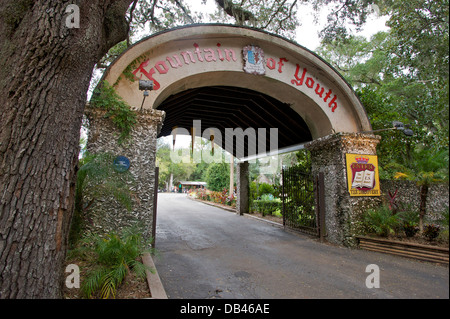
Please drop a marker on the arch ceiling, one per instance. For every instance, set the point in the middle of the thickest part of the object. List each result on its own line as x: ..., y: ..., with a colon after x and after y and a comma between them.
x: 230, y: 77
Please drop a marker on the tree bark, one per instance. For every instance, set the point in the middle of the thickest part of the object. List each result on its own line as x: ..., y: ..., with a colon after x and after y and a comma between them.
x: 45, y: 70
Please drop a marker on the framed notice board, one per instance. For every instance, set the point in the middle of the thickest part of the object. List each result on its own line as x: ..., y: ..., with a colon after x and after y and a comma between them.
x: 362, y: 175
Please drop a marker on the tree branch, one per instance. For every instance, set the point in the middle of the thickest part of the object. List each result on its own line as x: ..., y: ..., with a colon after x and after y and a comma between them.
x: 130, y: 20
x: 185, y: 11
x: 241, y: 15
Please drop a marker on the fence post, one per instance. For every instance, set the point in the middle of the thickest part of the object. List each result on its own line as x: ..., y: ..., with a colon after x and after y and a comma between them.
x: 283, y: 196
x: 155, y: 206
x: 321, y: 205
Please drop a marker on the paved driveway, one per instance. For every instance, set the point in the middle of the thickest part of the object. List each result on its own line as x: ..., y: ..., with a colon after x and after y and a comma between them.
x: 206, y: 252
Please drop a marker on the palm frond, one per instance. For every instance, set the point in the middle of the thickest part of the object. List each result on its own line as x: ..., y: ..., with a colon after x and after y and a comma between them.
x: 400, y: 175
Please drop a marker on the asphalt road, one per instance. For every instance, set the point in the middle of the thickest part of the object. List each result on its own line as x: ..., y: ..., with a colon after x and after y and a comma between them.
x: 205, y: 252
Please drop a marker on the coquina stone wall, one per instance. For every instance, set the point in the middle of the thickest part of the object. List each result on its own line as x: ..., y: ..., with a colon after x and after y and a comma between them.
x: 343, y: 213
x: 106, y: 214
x: 409, y: 194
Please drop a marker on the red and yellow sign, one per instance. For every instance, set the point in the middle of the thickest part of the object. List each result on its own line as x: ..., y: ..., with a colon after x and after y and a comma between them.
x: 362, y: 175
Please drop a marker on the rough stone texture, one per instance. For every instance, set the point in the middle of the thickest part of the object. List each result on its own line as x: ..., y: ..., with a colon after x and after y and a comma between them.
x: 140, y: 149
x: 409, y: 194
x: 243, y: 188
x: 343, y: 213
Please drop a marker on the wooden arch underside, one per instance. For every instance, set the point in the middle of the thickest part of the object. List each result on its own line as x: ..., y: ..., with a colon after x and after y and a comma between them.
x: 224, y: 107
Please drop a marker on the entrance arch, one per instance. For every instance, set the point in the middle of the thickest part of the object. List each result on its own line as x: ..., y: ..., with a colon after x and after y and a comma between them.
x: 232, y: 77
x: 216, y: 55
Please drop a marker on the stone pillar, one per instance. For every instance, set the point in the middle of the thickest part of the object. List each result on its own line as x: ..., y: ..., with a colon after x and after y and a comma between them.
x: 243, y: 188
x: 343, y: 214
x: 140, y: 149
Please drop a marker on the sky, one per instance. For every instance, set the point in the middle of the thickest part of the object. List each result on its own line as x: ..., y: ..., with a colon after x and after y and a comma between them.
x: 307, y: 32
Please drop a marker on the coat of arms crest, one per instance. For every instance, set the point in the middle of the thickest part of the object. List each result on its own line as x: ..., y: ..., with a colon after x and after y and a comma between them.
x: 362, y: 175
x: 254, y: 61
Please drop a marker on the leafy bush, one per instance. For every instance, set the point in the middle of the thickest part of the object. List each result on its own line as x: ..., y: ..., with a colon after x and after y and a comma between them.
x: 123, y: 117
x: 112, y: 257
x: 264, y: 188
x: 267, y: 207
x: 410, y: 229
x: 381, y: 221
x: 410, y: 220
x: 431, y: 231
x: 445, y: 218
x: 218, y: 176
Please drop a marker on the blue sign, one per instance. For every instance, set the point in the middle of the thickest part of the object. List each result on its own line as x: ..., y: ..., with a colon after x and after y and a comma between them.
x: 251, y: 57
x: 121, y: 164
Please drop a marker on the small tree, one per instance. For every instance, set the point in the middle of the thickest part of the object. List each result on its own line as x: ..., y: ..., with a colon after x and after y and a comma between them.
x: 218, y: 177
x: 425, y: 169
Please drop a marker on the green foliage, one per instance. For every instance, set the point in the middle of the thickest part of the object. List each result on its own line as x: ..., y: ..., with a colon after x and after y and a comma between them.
x: 425, y: 167
x: 114, y: 53
x: 394, y: 146
x: 445, y: 218
x: 267, y: 206
x: 168, y: 168
x: 264, y: 188
x: 409, y: 216
x: 406, y: 66
x: 381, y: 221
x: 276, y: 16
x: 304, y: 162
x: 261, y: 192
x: 410, y: 229
x: 218, y: 176
x: 431, y: 231
x: 123, y: 117
x: 410, y: 220
x: 112, y: 257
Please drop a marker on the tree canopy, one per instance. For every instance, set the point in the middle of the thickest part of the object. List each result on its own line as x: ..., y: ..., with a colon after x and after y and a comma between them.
x: 401, y: 75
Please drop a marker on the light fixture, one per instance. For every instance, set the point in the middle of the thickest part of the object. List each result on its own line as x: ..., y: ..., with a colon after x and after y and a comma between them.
x: 399, y: 126
x: 146, y: 86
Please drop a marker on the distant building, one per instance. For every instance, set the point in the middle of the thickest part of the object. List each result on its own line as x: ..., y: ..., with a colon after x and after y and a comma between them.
x: 263, y: 179
x: 186, y: 185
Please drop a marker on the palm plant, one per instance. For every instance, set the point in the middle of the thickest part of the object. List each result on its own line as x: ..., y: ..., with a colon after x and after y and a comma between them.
x: 424, y: 169
x: 113, y: 257
x: 381, y: 220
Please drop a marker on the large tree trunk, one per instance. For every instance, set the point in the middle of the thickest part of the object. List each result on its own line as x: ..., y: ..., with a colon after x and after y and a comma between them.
x: 45, y: 70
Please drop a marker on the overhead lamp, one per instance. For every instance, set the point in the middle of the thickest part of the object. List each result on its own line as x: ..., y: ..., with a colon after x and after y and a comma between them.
x: 399, y: 126
x: 146, y: 86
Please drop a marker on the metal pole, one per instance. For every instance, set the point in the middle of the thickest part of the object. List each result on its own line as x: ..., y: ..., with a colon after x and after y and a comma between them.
x: 155, y: 206
x: 283, y: 195
x: 321, y: 188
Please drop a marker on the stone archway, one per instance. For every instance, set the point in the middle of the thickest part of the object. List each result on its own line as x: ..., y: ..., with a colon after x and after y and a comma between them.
x: 298, y: 92
x: 212, y: 55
